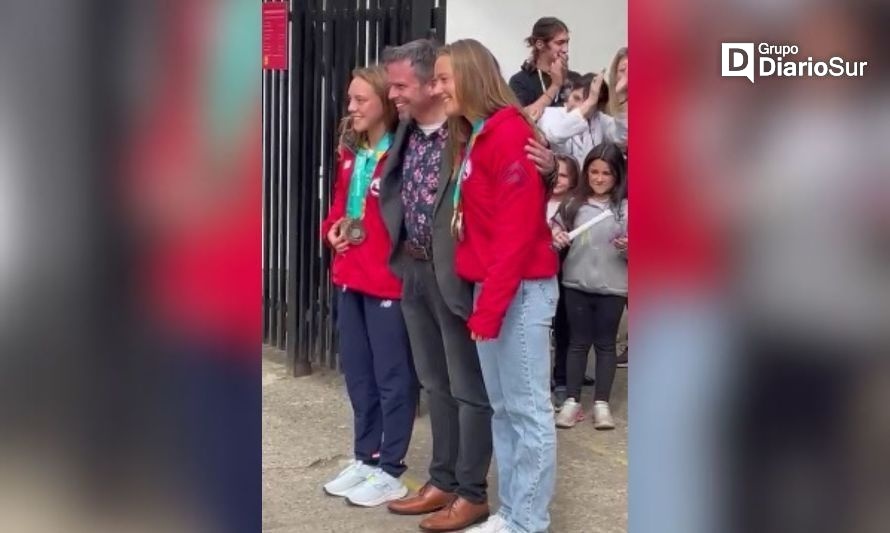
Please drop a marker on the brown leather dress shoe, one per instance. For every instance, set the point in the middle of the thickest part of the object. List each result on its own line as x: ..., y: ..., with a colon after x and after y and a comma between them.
x: 427, y: 500
x: 459, y: 515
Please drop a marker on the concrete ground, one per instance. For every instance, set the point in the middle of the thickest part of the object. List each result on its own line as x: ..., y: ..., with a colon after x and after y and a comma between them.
x: 307, y: 438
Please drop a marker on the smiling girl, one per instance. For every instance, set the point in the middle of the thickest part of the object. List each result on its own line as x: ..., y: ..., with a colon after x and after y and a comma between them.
x: 374, y: 351
x: 595, y: 278
x: 504, y: 249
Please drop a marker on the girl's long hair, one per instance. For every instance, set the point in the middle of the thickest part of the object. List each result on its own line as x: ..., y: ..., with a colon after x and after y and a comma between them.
x: 480, y: 89
x: 615, y: 106
x: 611, y: 154
x: 375, y: 75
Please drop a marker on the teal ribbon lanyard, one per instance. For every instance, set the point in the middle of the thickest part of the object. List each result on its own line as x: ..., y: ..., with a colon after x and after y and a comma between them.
x: 477, y: 127
x: 362, y: 174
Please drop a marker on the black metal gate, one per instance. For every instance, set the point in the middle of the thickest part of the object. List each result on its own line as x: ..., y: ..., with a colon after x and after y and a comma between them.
x: 301, y: 108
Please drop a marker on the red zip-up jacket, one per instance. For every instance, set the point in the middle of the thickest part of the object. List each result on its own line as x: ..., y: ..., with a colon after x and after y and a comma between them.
x: 506, y: 238
x: 363, y: 268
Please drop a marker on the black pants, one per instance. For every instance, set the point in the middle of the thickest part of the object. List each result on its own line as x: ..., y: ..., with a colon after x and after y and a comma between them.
x: 593, y: 321
x: 448, y: 367
x: 376, y: 361
x: 561, y: 340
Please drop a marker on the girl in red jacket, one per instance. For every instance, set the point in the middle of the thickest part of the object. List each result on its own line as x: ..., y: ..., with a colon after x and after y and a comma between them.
x: 504, y: 248
x: 374, y: 350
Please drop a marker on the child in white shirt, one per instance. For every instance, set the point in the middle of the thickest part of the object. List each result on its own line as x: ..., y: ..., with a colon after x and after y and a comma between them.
x: 583, y: 123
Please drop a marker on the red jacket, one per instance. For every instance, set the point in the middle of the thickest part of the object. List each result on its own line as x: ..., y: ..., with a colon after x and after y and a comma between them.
x: 506, y: 238
x: 363, y: 268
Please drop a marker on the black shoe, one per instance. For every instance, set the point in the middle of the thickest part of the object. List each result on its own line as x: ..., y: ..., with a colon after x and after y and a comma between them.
x: 622, y: 359
x: 589, y: 381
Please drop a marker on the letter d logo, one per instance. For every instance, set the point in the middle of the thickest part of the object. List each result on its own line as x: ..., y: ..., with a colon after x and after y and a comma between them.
x: 738, y: 60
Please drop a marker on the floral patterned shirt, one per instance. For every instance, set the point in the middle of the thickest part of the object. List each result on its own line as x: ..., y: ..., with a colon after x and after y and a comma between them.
x: 420, y: 182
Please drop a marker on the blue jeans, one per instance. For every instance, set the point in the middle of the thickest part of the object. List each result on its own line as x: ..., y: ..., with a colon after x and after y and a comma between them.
x: 516, y: 369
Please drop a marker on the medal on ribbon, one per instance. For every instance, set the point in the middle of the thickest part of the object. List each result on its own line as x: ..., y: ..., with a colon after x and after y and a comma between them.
x: 353, y: 227
x: 354, y: 230
x: 457, y: 217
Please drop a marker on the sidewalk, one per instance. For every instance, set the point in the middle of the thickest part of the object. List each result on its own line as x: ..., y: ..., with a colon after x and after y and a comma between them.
x: 307, y: 438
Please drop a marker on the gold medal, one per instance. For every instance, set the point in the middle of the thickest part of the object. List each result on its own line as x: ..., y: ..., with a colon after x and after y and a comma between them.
x: 354, y: 230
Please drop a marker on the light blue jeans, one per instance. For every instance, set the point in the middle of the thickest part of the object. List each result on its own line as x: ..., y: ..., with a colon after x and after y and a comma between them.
x: 516, y: 369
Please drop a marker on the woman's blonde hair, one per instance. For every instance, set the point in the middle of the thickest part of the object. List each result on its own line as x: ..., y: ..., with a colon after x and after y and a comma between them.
x: 479, y: 88
x: 375, y: 75
x: 615, y: 105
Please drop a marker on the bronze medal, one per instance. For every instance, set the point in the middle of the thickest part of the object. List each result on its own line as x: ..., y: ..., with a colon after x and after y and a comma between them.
x: 354, y: 230
x: 457, y: 225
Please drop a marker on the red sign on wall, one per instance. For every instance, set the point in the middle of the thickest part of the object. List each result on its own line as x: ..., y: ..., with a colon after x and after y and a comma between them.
x: 275, y: 35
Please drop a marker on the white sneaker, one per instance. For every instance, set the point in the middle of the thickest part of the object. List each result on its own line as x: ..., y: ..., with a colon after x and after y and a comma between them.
x: 570, y: 414
x: 377, y: 489
x: 602, y: 416
x: 351, y: 476
x: 494, y: 524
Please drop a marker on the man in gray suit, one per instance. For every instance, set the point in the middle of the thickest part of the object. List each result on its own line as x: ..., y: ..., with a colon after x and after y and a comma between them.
x: 415, y: 198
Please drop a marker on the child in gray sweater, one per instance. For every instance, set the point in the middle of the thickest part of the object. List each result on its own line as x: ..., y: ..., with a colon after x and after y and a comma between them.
x: 594, y: 276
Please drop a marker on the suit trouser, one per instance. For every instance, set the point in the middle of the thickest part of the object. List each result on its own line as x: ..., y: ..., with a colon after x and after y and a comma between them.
x: 448, y: 367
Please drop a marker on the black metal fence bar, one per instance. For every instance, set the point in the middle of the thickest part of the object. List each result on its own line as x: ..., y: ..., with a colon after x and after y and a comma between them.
x: 298, y: 355
x: 318, y: 273
x: 331, y: 52
x: 274, y: 211
x: 267, y: 156
x: 283, y: 201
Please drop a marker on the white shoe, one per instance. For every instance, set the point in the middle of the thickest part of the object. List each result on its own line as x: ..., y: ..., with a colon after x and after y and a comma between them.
x: 602, y: 416
x: 494, y: 524
x: 377, y: 489
x: 351, y: 476
x: 570, y: 414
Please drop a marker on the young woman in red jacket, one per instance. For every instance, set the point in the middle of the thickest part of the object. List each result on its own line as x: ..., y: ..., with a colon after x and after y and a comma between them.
x: 374, y: 350
x: 504, y: 248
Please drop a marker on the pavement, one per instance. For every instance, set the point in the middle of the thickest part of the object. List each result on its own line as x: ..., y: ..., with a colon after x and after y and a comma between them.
x: 307, y: 439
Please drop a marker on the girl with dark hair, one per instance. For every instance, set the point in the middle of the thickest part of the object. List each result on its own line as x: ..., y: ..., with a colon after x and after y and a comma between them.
x: 594, y: 275
x: 539, y: 83
x: 567, y: 172
x: 566, y: 181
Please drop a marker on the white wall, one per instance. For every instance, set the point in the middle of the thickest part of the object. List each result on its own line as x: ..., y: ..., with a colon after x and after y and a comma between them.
x: 597, y: 28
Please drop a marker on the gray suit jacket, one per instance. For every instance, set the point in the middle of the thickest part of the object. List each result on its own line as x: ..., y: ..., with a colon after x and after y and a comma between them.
x: 457, y: 293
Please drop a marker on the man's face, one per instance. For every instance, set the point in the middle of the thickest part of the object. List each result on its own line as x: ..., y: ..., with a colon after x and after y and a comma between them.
x: 556, y: 47
x: 405, y: 90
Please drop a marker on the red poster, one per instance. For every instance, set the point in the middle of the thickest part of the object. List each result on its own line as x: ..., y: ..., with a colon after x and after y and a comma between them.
x: 275, y: 35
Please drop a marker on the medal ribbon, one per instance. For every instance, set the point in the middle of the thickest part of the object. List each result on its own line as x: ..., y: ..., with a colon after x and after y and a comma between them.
x: 362, y: 174
x: 477, y: 127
